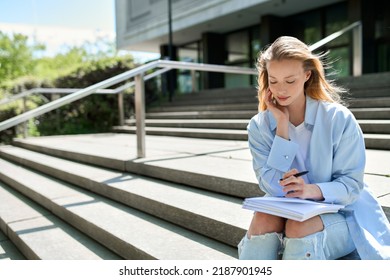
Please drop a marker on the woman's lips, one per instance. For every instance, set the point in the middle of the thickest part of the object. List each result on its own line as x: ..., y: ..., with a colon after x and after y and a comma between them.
x: 284, y: 98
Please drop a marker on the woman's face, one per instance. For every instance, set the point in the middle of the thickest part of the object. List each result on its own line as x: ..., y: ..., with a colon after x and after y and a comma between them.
x: 286, y: 80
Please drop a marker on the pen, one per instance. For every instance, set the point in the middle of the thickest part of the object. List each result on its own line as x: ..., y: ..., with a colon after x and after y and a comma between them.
x: 298, y: 174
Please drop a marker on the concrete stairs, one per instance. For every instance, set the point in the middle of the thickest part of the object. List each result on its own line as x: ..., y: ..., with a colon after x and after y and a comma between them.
x: 72, y: 210
x: 89, y: 197
x: 224, y: 114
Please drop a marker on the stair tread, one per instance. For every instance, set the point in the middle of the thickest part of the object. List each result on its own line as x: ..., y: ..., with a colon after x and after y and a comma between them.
x: 186, y: 129
x: 162, y: 154
x: 200, y: 113
x: 193, y: 157
x: 142, y: 192
x: 46, y: 235
x: 376, y: 109
x: 8, y: 250
x: 117, y: 225
x: 377, y: 136
x: 229, y: 121
x: 373, y: 121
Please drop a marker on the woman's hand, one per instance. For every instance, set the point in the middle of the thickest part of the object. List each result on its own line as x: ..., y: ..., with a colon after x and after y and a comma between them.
x: 296, y: 187
x: 280, y: 113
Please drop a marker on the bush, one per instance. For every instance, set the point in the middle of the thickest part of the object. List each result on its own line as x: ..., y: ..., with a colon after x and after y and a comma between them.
x: 93, y: 114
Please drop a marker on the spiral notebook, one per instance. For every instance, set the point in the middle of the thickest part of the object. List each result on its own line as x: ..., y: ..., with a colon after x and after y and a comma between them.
x: 290, y: 208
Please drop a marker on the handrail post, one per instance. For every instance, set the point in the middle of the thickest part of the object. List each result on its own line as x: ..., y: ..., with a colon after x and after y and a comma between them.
x: 121, y: 111
x: 140, y: 114
x: 193, y: 80
x: 25, y: 124
x: 357, y: 52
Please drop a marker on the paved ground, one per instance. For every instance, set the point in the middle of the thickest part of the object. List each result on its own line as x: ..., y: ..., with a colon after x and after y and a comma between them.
x: 221, y: 158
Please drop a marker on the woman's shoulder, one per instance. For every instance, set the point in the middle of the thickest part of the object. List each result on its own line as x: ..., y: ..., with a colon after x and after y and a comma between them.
x: 335, y: 109
x: 338, y: 116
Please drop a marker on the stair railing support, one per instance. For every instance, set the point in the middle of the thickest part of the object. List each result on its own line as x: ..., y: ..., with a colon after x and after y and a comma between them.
x: 357, y: 50
x: 193, y: 80
x: 121, y: 109
x: 140, y: 114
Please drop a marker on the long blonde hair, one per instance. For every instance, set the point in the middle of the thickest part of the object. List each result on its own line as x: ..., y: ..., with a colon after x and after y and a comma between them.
x: 285, y: 47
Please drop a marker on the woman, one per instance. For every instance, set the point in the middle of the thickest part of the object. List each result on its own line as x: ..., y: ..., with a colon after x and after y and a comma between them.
x: 302, y: 126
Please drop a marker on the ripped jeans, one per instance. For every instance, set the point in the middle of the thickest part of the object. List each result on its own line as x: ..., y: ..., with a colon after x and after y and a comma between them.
x: 333, y: 242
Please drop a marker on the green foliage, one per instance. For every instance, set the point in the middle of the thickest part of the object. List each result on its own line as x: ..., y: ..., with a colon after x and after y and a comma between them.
x: 78, y: 67
x: 61, y: 64
x: 95, y: 113
x: 16, y: 57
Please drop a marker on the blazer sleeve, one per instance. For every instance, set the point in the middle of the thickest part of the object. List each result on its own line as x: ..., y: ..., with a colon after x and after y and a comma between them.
x: 271, y: 155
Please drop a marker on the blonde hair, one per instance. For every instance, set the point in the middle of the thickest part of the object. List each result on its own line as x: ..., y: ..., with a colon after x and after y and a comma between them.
x: 285, y: 47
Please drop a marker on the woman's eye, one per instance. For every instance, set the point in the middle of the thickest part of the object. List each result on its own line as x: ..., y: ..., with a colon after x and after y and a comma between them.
x: 290, y: 82
x: 272, y: 82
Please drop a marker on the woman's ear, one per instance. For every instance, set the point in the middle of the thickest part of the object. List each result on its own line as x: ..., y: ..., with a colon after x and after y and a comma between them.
x: 308, y: 75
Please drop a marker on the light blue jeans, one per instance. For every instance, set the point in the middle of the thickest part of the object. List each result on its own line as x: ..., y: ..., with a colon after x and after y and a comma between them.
x: 333, y: 242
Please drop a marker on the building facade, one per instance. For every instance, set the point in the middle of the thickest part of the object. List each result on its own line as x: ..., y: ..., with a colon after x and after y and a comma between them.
x: 232, y: 32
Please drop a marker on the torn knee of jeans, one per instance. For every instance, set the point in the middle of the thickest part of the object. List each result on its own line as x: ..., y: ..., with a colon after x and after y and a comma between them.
x: 265, y: 235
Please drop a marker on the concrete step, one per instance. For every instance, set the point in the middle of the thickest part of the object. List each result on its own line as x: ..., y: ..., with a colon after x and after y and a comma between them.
x: 221, y: 166
x: 366, y: 85
x: 219, y: 93
x: 373, y: 141
x: 208, y: 106
x: 377, y: 141
x: 194, y: 123
x: 375, y: 126
x: 235, y: 105
x: 368, y: 126
x: 373, y: 102
x: 367, y: 92
x: 359, y: 113
x: 128, y: 232
x: 219, y: 217
x: 247, y: 115
x: 38, y: 234
x: 371, y: 113
x: 194, y: 162
x: 225, y: 134
x: 8, y: 251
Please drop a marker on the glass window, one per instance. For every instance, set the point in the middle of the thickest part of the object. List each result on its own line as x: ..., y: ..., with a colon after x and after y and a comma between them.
x: 384, y: 57
x: 237, y: 46
x: 188, y: 53
x: 312, y: 32
x: 255, y: 43
x: 336, y: 18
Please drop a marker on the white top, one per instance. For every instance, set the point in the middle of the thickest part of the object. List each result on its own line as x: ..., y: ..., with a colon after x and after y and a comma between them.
x: 301, y: 136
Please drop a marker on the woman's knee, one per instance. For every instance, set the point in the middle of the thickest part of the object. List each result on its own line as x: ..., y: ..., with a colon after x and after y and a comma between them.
x: 295, y: 229
x: 265, y: 223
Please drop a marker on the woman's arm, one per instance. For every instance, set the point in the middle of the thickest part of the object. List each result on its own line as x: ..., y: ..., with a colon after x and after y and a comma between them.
x: 272, y: 155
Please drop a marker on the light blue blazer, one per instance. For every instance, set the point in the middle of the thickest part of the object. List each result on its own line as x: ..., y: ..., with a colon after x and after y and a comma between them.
x: 336, y: 161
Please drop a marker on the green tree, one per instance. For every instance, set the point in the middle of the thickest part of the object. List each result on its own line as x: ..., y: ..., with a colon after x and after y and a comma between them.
x: 50, y: 68
x: 16, y: 56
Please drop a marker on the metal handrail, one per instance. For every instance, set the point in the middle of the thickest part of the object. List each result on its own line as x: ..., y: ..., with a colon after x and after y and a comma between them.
x: 334, y: 36
x: 138, y: 74
x: 357, y: 43
x: 40, y: 90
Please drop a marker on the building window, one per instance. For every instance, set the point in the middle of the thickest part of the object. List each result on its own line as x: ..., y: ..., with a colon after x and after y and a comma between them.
x: 382, y: 35
x: 189, y: 53
x: 237, y: 46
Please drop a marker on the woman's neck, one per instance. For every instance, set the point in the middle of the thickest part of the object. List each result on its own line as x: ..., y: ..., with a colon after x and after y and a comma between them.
x: 297, y: 111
